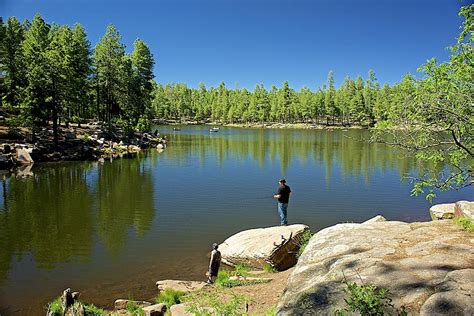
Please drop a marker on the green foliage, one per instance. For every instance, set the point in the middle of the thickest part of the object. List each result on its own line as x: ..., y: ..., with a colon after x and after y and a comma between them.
x: 465, y: 223
x: 269, y: 268
x: 368, y: 300
x: 170, y: 297
x: 211, y: 303
x: 223, y: 279
x: 241, y: 269
x: 92, y: 310
x: 56, y: 307
x: 304, y: 242
x: 134, y: 309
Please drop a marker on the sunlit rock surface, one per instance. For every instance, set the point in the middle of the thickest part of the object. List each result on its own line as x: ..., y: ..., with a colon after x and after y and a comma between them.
x: 426, y: 267
x: 276, y: 246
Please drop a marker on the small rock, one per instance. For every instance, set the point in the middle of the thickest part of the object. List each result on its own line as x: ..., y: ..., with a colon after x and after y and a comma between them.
x: 442, y: 211
x: 155, y: 310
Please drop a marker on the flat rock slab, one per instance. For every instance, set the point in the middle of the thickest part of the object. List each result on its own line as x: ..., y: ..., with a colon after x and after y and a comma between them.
x: 178, y: 285
x: 122, y: 304
x: 419, y: 263
x: 442, y: 211
x: 255, y: 248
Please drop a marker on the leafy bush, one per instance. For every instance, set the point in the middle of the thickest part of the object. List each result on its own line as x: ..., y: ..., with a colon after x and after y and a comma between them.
x: 465, y: 223
x: 55, y: 307
x: 170, y: 297
x: 368, y: 300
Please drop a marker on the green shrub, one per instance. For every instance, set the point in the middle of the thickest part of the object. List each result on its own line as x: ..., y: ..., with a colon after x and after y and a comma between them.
x: 368, y: 300
x: 304, y: 242
x: 170, y: 297
x: 465, y: 223
x: 56, y: 307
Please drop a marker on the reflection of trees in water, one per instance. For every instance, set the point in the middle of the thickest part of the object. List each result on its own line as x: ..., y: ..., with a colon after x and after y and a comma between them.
x: 346, y: 149
x: 50, y: 215
x: 124, y: 200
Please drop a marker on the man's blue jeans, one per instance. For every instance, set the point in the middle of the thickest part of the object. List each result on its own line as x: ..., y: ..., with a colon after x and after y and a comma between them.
x: 282, y: 212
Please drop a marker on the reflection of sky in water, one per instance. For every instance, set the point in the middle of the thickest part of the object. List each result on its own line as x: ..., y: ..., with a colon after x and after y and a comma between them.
x: 121, y: 226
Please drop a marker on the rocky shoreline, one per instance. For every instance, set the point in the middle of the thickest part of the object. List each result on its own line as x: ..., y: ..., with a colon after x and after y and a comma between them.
x: 88, y: 142
x: 426, y: 267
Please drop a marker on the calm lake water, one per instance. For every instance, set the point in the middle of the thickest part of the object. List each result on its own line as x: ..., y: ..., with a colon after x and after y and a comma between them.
x: 112, y: 230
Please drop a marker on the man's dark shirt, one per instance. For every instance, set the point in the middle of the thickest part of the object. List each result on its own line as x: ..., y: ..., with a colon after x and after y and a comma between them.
x: 284, y: 193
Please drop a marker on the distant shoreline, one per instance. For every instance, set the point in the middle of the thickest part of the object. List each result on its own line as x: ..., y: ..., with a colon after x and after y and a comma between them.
x: 269, y: 125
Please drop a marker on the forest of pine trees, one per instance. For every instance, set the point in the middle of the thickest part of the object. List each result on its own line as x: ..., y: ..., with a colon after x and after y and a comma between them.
x: 50, y: 74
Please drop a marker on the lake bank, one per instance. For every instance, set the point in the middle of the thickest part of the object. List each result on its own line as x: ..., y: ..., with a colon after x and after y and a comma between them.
x: 75, y: 143
x: 430, y: 261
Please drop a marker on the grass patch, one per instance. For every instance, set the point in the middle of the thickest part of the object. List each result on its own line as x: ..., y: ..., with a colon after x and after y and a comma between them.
x: 242, y: 270
x: 212, y: 303
x: 304, y: 242
x: 93, y: 310
x: 465, y: 223
x: 223, y: 280
x: 134, y: 309
x: 269, y: 268
x: 170, y: 297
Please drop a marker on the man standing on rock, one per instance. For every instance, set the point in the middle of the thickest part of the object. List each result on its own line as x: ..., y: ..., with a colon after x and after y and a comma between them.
x: 283, y: 195
x: 214, y: 264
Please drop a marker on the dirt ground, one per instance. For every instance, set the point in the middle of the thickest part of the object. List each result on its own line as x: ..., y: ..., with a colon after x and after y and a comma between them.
x: 261, y: 299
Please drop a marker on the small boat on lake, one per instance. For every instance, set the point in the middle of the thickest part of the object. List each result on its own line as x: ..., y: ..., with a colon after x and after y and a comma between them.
x: 176, y: 129
x: 214, y: 130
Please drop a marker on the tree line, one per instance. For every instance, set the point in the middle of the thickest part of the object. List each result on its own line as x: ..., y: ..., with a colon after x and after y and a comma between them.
x: 50, y: 74
x: 358, y: 101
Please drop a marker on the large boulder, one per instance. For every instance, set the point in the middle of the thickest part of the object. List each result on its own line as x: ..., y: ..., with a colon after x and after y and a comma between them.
x: 276, y: 246
x: 464, y: 208
x: 23, y: 156
x: 412, y: 261
x: 442, y: 211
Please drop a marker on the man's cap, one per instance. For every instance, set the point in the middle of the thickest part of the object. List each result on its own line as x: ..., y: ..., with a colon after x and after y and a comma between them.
x: 282, y: 181
x: 215, y: 246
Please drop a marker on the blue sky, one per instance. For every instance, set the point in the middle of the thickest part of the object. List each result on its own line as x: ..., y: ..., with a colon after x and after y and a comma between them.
x: 247, y: 42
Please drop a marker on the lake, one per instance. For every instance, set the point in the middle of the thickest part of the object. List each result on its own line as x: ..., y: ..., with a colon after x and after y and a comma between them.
x: 112, y: 230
